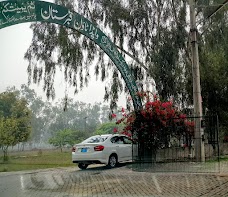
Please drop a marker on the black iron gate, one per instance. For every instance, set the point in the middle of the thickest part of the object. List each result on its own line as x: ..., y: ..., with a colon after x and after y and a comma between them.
x: 175, y: 152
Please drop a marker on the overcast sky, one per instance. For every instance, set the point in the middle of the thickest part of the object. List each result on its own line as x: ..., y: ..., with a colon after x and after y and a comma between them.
x: 14, y: 41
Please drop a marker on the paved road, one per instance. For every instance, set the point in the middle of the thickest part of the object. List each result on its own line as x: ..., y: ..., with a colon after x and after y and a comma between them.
x: 124, y: 181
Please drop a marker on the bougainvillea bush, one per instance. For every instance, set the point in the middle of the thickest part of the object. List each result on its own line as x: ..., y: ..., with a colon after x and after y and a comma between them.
x: 156, y: 124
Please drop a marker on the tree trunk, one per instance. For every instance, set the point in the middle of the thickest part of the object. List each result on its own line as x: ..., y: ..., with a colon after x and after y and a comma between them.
x: 23, y: 146
x: 5, y: 153
x: 150, y: 153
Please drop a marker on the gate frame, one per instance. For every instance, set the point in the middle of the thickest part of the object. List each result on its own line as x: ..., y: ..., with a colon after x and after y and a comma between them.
x: 20, y: 11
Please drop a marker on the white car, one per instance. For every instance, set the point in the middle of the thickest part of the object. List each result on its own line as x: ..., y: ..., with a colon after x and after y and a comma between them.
x: 102, y: 149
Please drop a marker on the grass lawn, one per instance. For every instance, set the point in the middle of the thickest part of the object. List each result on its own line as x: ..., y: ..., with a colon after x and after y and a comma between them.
x: 39, y: 159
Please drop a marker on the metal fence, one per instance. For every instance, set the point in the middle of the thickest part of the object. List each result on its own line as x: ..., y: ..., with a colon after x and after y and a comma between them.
x: 175, y: 151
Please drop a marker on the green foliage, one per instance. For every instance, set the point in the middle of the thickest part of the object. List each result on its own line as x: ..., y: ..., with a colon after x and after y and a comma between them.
x: 214, y: 64
x: 15, y: 120
x: 48, y: 118
x: 158, y: 125
x: 154, y: 124
x: 78, y: 116
x: 66, y: 137
x: 8, y: 128
x: 154, y: 32
x: 107, y: 128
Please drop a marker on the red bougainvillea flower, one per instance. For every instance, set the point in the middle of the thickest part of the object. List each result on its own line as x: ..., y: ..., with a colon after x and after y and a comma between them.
x: 124, y: 114
x: 126, y: 133
x: 128, y: 128
x: 163, y: 112
x: 156, y: 104
x: 119, y: 121
x: 167, y: 104
x: 113, y: 115
x: 130, y: 119
x: 157, y: 112
x: 182, y: 116
x: 155, y: 117
x: 170, y: 113
x: 144, y: 113
x: 115, y: 130
x: 148, y: 105
x: 190, y: 124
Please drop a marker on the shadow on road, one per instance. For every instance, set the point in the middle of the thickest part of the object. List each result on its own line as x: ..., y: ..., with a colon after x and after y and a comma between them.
x: 104, y: 167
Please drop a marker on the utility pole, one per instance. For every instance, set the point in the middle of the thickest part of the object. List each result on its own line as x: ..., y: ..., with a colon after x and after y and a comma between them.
x: 197, y: 99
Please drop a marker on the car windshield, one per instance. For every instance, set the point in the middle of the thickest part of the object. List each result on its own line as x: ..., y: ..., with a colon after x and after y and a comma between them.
x: 95, y: 139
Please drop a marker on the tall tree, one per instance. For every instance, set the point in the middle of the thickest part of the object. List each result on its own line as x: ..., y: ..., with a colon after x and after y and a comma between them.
x: 153, y: 32
x: 15, y: 120
x: 66, y: 137
x: 214, y: 60
x: 214, y: 64
x: 48, y: 118
x: 37, y: 106
x: 8, y: 128
x: 78, y: 116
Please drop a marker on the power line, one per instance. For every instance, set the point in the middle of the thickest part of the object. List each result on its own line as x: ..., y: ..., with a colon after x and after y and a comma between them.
x: 217, y: 9
x: 207, y: 6
x: 134, y: 58
x: 213, y: 13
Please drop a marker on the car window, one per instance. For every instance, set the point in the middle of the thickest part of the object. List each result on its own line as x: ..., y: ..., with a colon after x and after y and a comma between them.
x: 103, y: 138
x: 114, y: 139
x: 120, y: 140
x: 127, y: 140
x: 95, y: 139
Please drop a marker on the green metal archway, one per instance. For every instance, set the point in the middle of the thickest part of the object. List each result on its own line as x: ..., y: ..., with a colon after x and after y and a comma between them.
x: 20, y: 11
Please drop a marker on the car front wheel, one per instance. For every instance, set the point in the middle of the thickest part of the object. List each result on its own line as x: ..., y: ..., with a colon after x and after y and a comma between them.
x: 112, y: 162
x: 82, y: 166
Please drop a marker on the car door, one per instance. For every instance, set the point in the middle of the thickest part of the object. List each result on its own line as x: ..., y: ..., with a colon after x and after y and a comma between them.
x: 117, y: 147
x: 127, y: 146
x: 124, y: 148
